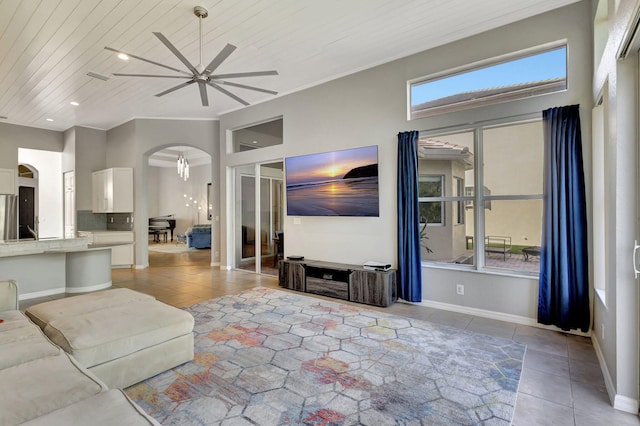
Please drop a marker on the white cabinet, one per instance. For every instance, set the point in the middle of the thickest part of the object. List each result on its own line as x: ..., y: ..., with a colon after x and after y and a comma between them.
x: 113, y: 190
x: 122, y: 256
x: 121, y: 243
x: 7, y: 181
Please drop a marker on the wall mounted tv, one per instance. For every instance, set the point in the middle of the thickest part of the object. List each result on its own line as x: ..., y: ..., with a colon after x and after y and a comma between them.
x: 337, y: 183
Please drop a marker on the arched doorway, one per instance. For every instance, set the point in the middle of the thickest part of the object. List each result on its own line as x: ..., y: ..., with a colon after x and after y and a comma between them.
x: 178, y: 199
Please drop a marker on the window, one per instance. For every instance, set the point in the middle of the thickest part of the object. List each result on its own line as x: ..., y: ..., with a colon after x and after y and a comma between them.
x: 459, y: 213
x: 510, y: 170
x: 431, y: 212
x: 519, y: 76
x: 448, y: 160
x: 258, y: 136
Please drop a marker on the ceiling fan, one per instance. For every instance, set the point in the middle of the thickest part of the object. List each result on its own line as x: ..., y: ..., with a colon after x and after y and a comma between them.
x: 200, y: 74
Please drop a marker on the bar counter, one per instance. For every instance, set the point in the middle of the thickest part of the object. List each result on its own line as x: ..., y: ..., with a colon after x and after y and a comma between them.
x: 57, y: 265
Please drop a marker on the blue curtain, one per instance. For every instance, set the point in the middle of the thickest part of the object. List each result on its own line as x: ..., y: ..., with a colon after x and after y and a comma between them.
x: 409, y: 272
x: 563, y: 299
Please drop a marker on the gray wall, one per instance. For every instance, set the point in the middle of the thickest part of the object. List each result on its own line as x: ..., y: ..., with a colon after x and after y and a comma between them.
x: 13, y: 137
x: 86, y: 150
x: 69, y: 150
x: 91, y: 149
x: 369, y: 108
x: 131, y: 144
x: 47, y: 278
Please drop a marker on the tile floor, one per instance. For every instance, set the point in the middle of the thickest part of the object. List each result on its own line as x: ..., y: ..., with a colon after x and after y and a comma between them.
x: 561, y: 380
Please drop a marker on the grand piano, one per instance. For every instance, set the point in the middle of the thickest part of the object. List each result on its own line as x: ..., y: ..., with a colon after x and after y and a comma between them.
x: 161, y: 224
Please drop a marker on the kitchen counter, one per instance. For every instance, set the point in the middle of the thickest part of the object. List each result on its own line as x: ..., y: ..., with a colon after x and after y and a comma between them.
x: 57, y: 265
x: 29, y: 247
x: 110, y: 245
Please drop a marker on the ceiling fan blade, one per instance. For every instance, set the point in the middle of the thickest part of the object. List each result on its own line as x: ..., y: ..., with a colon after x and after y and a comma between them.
x: 150, y: 75
x: 220, y: 57
x: 176, y: 52
x: 203, y: 93
x: 228, y: 93
x: 245, y: 74
x: 179, y: 86
x: 146, y: 60
x: 257, y: 89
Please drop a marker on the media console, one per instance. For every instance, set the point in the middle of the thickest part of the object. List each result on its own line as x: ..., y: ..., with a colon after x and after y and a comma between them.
x: 347, y: 282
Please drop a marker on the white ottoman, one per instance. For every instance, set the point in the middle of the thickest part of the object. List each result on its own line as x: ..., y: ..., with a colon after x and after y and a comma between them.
x: 120, y: 335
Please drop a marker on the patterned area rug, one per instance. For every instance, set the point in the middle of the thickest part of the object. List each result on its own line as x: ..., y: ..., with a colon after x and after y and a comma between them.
x: 269, y: 357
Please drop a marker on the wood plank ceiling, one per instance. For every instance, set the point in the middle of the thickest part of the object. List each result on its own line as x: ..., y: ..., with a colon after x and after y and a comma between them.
x: 47, y: 47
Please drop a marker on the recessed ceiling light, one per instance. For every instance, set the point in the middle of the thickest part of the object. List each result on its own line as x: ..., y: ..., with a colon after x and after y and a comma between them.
x: 255, y: 141
x: 49, y: 119
x: 74, y: 103
x: 123, y: 56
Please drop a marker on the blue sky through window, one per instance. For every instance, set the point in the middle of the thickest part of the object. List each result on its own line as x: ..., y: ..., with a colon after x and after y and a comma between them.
x: 542, y: 66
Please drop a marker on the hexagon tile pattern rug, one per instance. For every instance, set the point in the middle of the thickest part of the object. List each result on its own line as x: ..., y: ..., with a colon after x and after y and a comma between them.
x: 268, y: 357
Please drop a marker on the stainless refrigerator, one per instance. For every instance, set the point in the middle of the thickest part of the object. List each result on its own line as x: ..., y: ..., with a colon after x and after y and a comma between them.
x: 8, y: 217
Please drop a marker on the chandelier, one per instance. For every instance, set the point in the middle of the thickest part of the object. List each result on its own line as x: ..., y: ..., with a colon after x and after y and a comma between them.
x: 183, y: 167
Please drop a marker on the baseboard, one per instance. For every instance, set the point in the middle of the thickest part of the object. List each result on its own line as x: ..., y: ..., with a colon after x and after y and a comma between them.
x: 215, y: 264
x: 140, y: 266
x: 626, y: 404
x: 89, y: 288
x: 44, y: 293
x: 619, y: 402
x: 518, y: 319
x: 608, y: 382
x: 500, y: 316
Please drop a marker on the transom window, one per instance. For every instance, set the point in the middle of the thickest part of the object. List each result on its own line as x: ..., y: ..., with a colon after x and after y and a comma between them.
x: 507, y: 162
x: 518, y: 76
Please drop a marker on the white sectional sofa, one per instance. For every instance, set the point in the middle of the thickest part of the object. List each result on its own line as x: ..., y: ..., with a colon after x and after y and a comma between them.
x: 40, y: 384
x: 120, y: 335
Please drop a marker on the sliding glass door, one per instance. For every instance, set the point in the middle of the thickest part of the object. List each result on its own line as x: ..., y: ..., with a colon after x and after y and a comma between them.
x: 259, y: 215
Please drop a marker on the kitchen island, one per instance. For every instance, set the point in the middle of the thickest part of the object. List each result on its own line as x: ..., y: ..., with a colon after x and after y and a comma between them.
x: 57, y: 265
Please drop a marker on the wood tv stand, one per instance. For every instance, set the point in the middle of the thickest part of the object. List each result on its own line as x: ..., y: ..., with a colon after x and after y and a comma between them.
x: 347, y: 282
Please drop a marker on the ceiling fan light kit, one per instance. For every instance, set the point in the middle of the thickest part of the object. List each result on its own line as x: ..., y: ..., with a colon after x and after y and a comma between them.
x: 200, y: 74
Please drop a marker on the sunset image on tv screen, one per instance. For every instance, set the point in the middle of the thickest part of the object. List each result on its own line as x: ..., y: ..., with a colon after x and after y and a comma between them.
x: 337, y: 183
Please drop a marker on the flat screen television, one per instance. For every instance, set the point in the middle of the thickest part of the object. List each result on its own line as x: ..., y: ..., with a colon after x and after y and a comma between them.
x: 337, y: 183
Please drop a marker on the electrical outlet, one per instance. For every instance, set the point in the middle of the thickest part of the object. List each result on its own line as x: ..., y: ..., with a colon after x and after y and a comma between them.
x: 460, y: 289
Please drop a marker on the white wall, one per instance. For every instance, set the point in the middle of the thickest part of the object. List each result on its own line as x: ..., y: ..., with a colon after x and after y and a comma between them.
x: 154, y: 194
x: 50, y: 196
x: 616, y: 318
x: 369, y: 108
x: 167, y: 192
